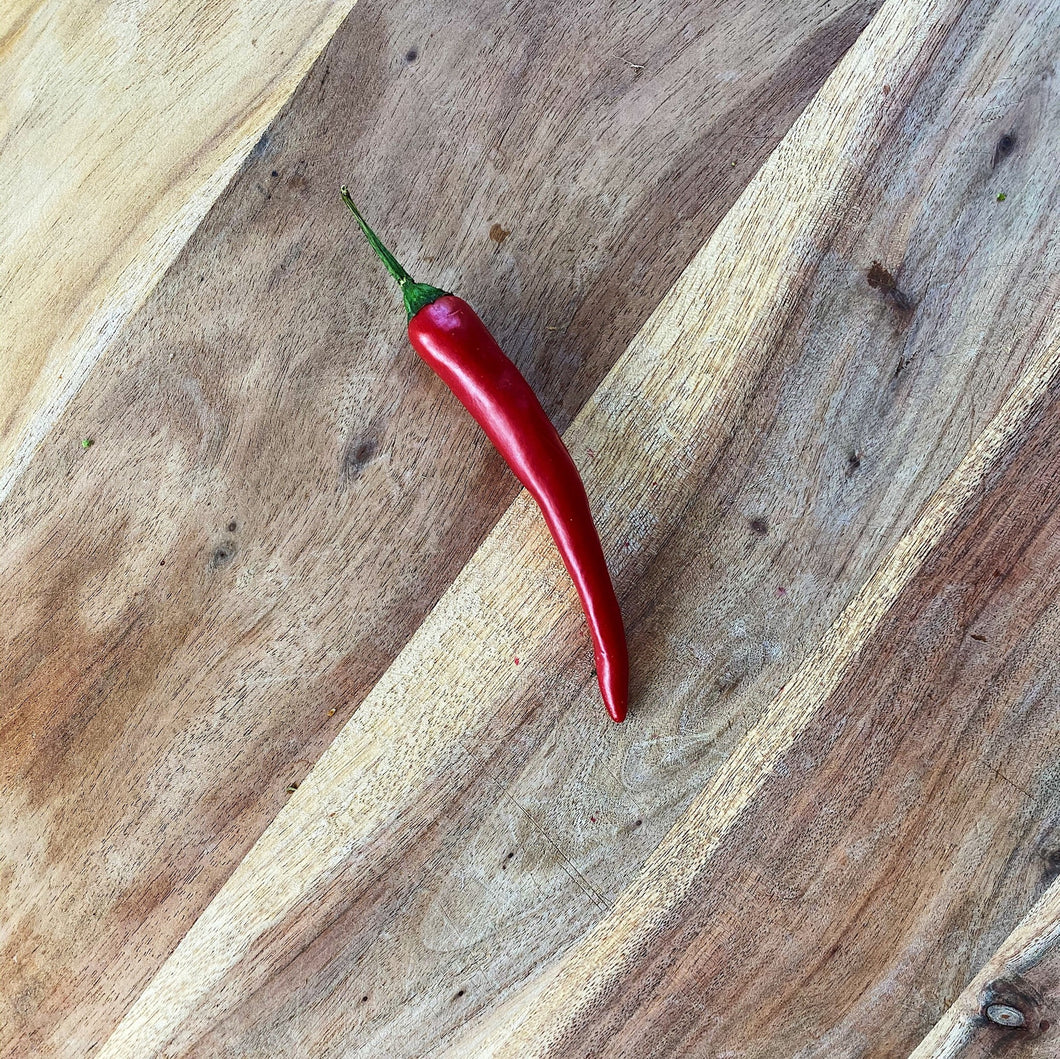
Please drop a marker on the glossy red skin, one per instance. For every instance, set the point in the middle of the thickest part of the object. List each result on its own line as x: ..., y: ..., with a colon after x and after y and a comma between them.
x: 451, y: 338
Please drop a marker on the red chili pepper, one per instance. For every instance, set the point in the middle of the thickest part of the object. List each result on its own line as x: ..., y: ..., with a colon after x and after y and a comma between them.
x: 445, y: 331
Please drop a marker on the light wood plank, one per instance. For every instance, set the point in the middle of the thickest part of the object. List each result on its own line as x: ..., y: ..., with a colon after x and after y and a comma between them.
x: 120, y: 124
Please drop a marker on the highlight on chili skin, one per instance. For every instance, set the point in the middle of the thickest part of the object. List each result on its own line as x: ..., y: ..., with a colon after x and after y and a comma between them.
x: 448, y: 335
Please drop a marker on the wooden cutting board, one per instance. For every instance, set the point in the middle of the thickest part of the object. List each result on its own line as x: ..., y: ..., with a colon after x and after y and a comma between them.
x: 274, y: 782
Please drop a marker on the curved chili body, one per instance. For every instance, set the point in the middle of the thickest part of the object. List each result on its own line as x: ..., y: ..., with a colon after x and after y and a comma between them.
x: 455, y: 343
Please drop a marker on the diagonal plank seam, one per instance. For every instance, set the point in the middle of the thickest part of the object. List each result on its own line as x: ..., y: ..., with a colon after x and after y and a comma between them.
x: 77, y: 354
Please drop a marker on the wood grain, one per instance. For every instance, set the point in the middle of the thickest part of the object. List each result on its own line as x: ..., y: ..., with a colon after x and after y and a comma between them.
x: 120, y: 124
x: 833, y: 502
x: 277, y: 494
x: 1011, y: 1006
x: 830, y: 854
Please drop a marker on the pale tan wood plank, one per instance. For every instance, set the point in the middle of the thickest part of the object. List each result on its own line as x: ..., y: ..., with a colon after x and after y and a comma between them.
x: 733, y: 340
x: 119, y: 126
x: 154, y: 716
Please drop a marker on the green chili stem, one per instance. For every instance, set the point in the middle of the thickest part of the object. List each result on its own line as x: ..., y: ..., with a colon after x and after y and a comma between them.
x: 415, y: 295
